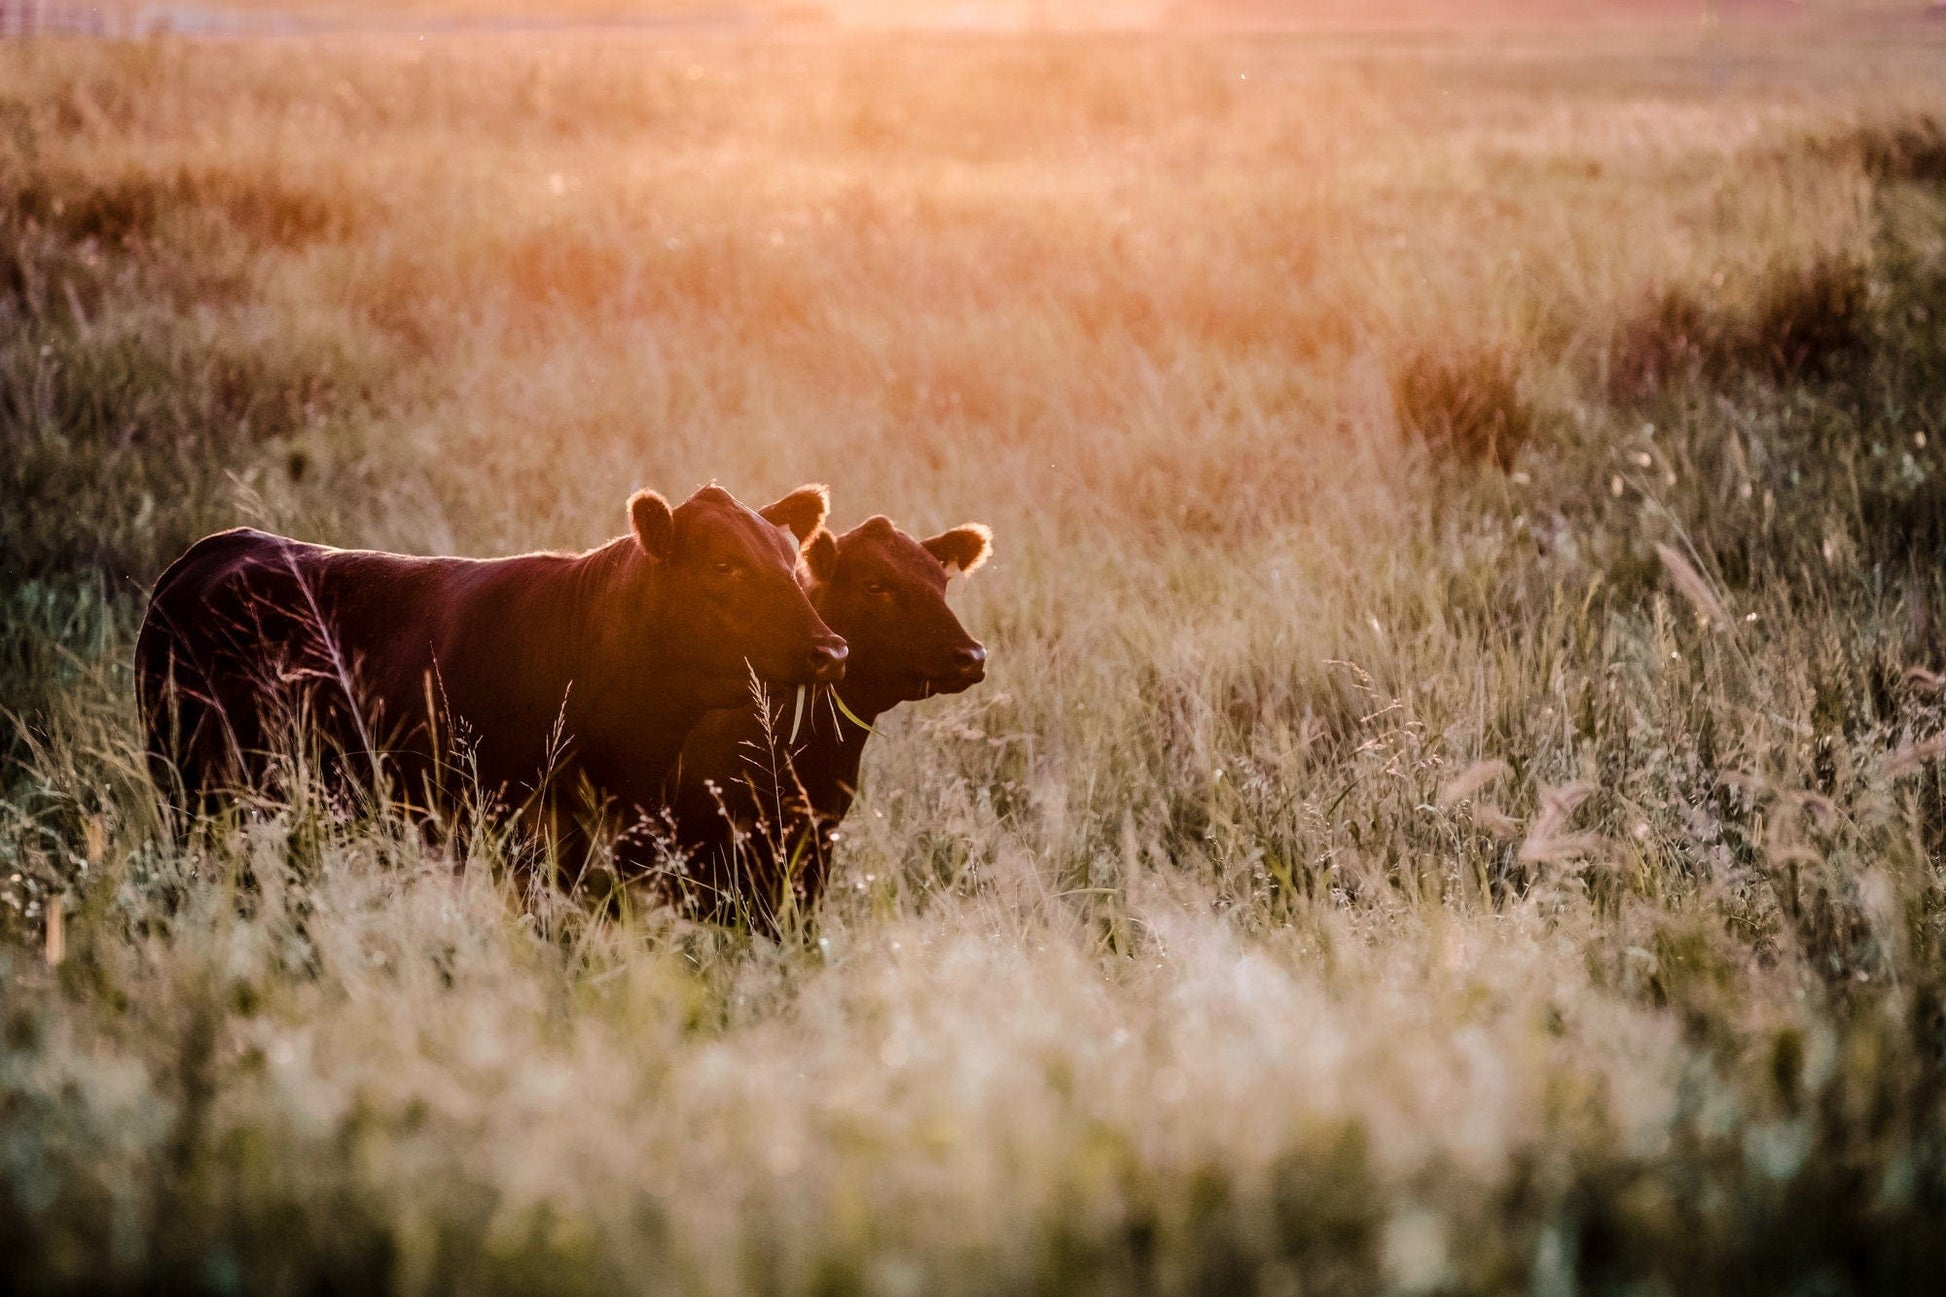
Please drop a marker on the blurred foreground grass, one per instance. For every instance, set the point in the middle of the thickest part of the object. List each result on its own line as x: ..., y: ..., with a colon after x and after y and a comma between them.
x: 1455, y: 808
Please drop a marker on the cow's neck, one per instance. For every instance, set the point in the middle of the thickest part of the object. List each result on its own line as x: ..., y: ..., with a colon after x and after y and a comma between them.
x: 828, y: 761
x: 867, y: 701
x: 627, y: 705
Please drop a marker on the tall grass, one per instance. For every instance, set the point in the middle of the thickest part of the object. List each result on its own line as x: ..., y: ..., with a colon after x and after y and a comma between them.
x: 1455, y: 805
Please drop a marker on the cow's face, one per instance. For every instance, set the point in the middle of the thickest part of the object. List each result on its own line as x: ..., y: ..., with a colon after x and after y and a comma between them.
x: 731, y: 599
x: 886, y: 594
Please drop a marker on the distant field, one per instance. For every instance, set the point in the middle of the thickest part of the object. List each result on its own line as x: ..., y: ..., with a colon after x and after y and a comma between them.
x: 438, y: 13
x: 1445, y: 18
x: 1456, y: 805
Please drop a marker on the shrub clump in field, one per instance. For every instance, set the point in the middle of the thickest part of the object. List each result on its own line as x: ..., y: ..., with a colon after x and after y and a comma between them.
x: 1800, y: 324
x: 1467, y: 407
x: 1912, y: 150
x: 1895, y: 150
x: 132, y: 205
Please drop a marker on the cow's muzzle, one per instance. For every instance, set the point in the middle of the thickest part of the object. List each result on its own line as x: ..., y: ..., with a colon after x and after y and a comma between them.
x: 826, y: 662
x: 970, y: 665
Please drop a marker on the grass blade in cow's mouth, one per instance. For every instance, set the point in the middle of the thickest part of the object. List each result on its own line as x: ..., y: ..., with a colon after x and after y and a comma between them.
x: 850, y: 715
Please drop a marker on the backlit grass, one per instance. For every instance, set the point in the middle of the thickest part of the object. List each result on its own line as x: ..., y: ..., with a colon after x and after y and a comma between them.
x: 1455, y: 805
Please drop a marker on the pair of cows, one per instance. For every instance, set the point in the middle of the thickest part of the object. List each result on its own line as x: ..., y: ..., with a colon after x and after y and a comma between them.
x: 612, y: 686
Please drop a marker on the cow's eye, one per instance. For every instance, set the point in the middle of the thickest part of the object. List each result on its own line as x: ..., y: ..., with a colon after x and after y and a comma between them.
x: 877, y: 589
x: 725, y: 568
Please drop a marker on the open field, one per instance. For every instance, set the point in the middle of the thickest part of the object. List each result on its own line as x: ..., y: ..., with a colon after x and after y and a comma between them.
x: 1456, y: 805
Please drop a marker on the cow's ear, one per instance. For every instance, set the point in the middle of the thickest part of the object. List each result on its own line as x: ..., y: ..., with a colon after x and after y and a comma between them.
x: 655, y: 526
x: 821, y: 555
x: 802, y: 511
x: 963, y: 547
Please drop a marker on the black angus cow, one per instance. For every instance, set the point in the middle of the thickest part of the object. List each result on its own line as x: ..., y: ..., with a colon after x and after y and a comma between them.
x: 755, y: 808
x: 520, y: 677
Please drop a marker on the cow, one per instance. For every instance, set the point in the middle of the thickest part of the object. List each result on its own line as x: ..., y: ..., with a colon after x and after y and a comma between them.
x: 509, y: 681
x: 755, y: 806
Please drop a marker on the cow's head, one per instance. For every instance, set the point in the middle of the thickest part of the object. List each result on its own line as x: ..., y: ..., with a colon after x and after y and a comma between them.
x: 886, y: 594
x: 730, y: 598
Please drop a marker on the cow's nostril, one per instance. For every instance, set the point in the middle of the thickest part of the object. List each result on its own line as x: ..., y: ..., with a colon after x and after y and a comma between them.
x: 828, y: 660
x: 973, y: 656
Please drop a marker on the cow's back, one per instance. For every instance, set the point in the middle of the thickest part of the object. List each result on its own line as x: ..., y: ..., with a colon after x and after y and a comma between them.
x: 252, y: 637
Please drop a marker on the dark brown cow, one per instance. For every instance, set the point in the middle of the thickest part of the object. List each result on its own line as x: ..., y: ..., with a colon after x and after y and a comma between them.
x: 754, y: 810
x: 516, y: 676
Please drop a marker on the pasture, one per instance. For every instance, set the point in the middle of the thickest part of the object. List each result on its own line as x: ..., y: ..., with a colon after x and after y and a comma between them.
x: 1454, y: 805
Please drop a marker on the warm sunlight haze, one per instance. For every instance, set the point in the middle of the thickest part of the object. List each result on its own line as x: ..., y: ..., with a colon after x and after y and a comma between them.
x: 1389, y: 740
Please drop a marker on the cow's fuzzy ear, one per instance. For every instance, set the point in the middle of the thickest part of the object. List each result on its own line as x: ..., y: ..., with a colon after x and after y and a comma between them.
x: 963, y: 547
x: 802, y: 511
x: 821, y: 555
x: 655, y: 526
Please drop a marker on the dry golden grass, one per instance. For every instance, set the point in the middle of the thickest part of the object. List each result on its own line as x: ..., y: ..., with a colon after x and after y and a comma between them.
x: 1366, y: 867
